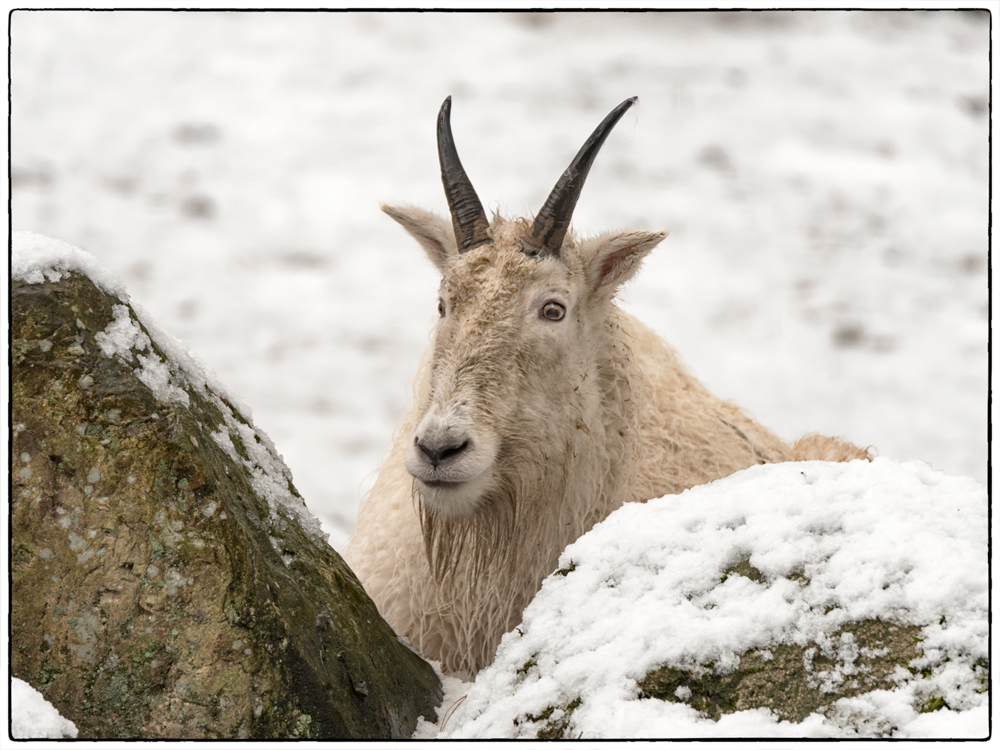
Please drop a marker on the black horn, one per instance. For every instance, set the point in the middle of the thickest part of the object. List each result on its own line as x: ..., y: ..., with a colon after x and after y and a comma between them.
x: 552, y: 222
x: 467, y: 214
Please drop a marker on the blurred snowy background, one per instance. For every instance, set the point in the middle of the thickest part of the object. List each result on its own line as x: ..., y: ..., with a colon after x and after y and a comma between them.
x: 824, y: 176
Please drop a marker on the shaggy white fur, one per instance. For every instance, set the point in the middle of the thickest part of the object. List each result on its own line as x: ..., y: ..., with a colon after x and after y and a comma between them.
x: 582, y: 414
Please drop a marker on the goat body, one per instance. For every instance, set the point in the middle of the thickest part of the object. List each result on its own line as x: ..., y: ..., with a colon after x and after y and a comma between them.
x: 539, y: 408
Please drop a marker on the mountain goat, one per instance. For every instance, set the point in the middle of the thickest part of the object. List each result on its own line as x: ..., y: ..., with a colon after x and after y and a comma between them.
x: 539, y: 408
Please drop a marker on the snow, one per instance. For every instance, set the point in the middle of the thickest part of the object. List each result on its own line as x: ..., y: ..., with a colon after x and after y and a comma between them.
x: 36, y: 258
x: 122, y: 335
x: 34, y: 717
x: 824, y: 177
x: 647, y: 588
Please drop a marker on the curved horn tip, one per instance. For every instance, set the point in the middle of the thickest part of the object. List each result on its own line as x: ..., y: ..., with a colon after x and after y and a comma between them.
x: 552, y: 221
x: 626, y: 105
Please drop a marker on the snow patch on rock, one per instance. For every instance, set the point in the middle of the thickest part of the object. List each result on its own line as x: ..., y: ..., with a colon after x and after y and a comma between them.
x: 36, y: 258
x: 34, y: 717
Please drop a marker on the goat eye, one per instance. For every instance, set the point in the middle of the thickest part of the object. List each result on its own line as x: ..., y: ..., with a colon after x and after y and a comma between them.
x: 441, y: 307
x: 553, y: 311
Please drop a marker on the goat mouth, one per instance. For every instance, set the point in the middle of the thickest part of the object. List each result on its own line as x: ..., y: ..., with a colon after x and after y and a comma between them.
x: 453, y: 499
x: 441, y: 484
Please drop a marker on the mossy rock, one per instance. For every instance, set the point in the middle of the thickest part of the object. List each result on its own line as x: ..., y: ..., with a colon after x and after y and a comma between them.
x: 794, y: 681
x: 557, y: 720
x: 157, y: 590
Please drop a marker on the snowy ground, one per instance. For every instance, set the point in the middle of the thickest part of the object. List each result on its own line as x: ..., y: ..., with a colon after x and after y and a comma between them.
x: 824, y: 177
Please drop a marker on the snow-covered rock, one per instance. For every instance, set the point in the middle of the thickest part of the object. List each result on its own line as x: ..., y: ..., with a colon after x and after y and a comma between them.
x: 790, y: 600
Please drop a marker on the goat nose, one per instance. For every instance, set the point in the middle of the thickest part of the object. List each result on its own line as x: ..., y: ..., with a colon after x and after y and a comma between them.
x: 439, y: 451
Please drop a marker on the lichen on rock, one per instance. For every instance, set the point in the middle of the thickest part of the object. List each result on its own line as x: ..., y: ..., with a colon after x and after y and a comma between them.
x: 794, y: 681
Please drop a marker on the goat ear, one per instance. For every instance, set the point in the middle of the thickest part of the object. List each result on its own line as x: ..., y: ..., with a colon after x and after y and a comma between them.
x: 612, y: 259
x: 435, y: 234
